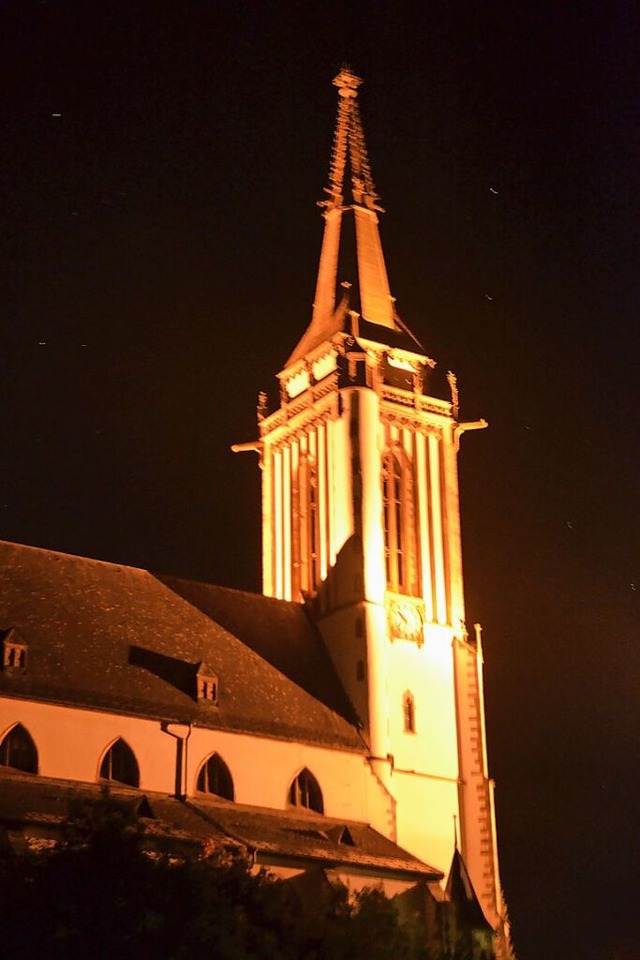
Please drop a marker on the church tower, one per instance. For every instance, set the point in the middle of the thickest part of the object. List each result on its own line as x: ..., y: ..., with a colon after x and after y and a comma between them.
x: 361, y: 521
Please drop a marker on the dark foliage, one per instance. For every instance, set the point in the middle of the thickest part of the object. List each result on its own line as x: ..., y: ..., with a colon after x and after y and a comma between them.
x: 101, y: 893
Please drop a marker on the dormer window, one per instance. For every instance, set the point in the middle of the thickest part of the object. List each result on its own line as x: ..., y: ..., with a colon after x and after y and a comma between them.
x: 14, y: 652
x: 207, y: 685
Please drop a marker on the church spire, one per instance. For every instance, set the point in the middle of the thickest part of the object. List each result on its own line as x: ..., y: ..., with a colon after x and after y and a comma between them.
x: 349, y: 150
x: 349, y: 139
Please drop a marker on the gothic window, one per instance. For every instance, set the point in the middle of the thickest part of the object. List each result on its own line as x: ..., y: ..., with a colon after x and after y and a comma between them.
x: 214, y: 777
x: 399, y: 533
x: 18, y: 750
x: 409, y: 712
x: 305, y: 792
x: 120, y: 764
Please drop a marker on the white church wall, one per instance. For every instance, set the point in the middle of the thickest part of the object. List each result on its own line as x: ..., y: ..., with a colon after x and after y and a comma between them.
x: 71, y: 743
x: 425, y: 672
x: 426, y: 808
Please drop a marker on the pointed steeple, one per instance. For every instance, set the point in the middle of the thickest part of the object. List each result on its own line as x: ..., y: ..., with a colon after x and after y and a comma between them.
x: 376, y: 303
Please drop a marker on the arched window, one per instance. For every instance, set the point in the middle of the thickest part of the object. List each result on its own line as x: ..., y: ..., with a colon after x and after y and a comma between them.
x: 120, y: 764
x: 18, y: 750
x: 409, y: 713
x: 399, y: 533
x: 214, y: 777
x: 305, y: 792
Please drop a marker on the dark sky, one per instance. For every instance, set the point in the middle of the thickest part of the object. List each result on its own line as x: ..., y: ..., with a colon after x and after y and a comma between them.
x: 160, y: 168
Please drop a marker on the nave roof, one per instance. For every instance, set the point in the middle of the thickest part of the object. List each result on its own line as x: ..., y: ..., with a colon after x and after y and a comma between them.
x: 119, y: 639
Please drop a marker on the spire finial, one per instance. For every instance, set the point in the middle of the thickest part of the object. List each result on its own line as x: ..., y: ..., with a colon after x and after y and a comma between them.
x: 347, y: 82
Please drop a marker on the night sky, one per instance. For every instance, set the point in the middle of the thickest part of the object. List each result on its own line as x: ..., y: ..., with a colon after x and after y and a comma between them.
x: 160, y: 169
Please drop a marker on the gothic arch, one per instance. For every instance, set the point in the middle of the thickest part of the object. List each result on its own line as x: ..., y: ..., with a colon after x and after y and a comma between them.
x: 119, y: 764
x: 305, y: 792
x: 215, y: 777
x: 18, y: 751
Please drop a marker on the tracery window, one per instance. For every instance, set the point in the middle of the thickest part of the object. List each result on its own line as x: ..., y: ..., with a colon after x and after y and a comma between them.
x: 305, y: 792
x: 409, y: 713
x: 214, y: 777
x: 18, y: 750
x: 399, y: 523
x: 120, y: 764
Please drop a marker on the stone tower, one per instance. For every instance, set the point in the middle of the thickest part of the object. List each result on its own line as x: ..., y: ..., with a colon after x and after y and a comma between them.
x: 361, y: 521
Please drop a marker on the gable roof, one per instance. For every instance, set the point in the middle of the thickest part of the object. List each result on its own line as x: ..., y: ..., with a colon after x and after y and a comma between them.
x: 117, y: 638
x: 460, y: 891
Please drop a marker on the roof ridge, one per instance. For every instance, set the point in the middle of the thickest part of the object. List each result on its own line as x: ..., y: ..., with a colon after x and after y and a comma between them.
x: 73, y: 556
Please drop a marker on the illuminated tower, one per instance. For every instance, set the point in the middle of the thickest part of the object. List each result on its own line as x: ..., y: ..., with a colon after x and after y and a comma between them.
x: 361, y: 520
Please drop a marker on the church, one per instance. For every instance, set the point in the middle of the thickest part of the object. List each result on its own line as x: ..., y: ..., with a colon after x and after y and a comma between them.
x: 334, y: 725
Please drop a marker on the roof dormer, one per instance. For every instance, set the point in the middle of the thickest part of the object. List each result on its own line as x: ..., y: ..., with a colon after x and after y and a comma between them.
x: 14, y: 651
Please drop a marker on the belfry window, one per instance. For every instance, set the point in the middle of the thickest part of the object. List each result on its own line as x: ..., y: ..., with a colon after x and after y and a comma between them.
x: 18, y: 750
x: 305, y: 792
x: 399, y: 533
x: 214, y: 777
x: 120, y: 764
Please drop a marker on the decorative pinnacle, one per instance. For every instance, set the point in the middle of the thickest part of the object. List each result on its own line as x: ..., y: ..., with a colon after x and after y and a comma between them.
x: 347, y: 83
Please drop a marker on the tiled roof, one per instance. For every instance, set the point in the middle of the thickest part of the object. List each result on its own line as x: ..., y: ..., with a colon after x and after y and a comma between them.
x: 278, y: 631
x: 304, y: 836
x: 460, y: 891
x: 37, y: 805
x: 119, y: 639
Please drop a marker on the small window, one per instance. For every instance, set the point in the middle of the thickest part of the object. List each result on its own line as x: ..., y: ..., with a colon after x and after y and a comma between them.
x: 409, y: 709
x: 305, y: 792
x: 14, y: 653
x: 18, y: 751
x: 120, y: 764
x: 207, y: 684
x: 214, y: 777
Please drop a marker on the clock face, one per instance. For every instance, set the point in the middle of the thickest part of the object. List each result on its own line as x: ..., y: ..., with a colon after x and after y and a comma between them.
x: 405, y: 621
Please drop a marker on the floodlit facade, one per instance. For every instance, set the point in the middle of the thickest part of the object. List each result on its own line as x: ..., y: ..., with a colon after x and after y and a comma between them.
x: 351, y: 692
x: 361, y: 518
